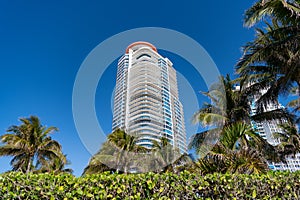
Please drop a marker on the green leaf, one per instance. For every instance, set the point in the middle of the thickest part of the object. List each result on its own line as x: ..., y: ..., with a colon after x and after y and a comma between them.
x: 254, y: 194
x: 61, y: 188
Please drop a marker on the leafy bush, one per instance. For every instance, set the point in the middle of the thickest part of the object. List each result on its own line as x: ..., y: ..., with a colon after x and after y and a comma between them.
x: 273, y: 185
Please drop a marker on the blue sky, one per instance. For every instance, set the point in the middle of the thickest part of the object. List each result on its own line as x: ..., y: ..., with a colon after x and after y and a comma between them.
x: 43, y: 43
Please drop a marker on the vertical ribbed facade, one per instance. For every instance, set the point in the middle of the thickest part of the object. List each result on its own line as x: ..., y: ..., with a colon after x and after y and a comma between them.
x: 146, y: 98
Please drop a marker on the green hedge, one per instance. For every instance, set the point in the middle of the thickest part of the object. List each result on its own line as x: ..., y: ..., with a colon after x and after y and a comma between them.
x: 274, y: 185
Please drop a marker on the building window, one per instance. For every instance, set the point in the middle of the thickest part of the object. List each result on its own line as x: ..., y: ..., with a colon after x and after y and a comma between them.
x: 143, y: 55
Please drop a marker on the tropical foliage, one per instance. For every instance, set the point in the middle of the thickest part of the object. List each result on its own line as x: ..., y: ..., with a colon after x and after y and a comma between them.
x: 166, y: 158
x: 239, y: 150
x: 32, y: 148
x: 230, y: 144
x: 294, y: 104
x: 268, y: 69
x: 227, y: 107
x: 286, y: 12
x: 290, y: 139
x: 121, y: 153
x: 271, y: 61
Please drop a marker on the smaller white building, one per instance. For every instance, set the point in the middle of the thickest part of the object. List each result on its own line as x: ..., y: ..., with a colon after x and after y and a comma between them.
x: 267, y: 130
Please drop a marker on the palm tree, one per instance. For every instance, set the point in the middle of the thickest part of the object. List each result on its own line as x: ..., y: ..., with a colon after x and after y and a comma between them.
x: 163, y: 154
x: 241, y: 136
x: 31, y: 146
x: 286, y: 12
x: 119, y: 153
x: 289, y: 138
x: 224, y: 109
x: 129, y: 152
x: 96, y: 164
x: 228, y: 107
x: 238, y: 134
x: 165, y: 158
x: 225, y: 146
x: 236, y: 151
x: 104, y: 160
x: 56, y: 166
x: 271, y: 61
x: 294, y: 104
x: 247, y: 161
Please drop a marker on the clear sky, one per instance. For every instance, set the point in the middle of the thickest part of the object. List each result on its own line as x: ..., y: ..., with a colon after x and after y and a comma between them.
x: 43, y: 43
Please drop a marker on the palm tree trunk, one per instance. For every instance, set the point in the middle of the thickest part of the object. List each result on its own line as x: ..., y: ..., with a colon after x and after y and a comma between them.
x: 126, y: 162
x: 125, y: 168
x: 119, y: 156
x: 29, y: 165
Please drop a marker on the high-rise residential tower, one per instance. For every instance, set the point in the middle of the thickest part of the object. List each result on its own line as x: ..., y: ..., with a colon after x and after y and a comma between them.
x: 267, y: 130
x: 146, y: 100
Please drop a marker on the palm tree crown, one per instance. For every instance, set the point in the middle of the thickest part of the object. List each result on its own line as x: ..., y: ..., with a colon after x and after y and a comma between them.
x: 271, y: 61
x: 287, y: 12
x: 31, y: 146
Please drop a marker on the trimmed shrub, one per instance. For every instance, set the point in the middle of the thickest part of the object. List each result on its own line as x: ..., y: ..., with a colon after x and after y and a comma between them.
x: 273, y: 185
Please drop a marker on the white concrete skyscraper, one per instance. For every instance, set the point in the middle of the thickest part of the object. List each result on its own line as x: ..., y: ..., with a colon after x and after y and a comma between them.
x: 146, y: 98
x: 267, y: 130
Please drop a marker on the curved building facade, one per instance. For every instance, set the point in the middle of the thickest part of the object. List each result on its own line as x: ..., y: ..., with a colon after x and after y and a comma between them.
x: 146, y: 98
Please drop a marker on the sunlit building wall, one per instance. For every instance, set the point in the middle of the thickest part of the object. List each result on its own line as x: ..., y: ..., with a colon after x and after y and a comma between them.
x: 268, y: 130
x: 146, y: 100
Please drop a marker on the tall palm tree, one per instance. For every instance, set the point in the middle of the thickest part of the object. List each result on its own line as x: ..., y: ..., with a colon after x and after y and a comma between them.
x: 163, y: 153
x: 225, y: 108
x: 228, y: 107
x: 129, y: 152
x: 271, y: 61
x: 164, y: 157
x: 227, y: 104
x: 119, y: 153
x: 228, y: 144
x: 31, y: 146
